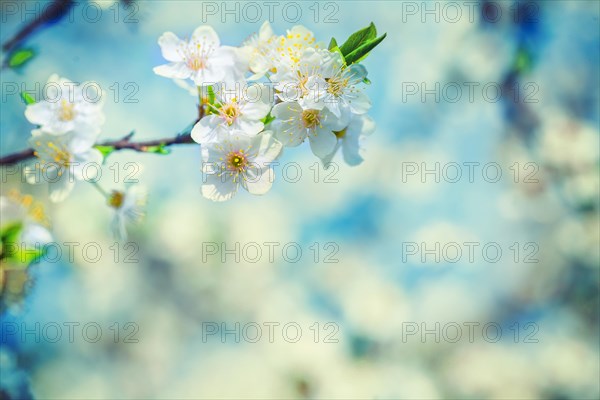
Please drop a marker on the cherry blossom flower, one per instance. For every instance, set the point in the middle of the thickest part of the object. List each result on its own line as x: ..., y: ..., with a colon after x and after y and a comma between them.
x: 240, y: 109
x: 201, y: 58
x: 293, y: 125
x: 128, y: 206
x: 336, y: 88
x: 68, y: 106
x: 62, y: 160
x: 239, y: 160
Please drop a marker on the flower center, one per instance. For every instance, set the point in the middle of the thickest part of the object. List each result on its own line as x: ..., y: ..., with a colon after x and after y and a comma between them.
x: 53, y: 154
x: 35, y: 209
x: 116, y: 198
x: 310, y: 118
x: 66, y: 111
x: 230, y: 112
x: 340, y: 134
x: 196, y: 62
x: 336, y: 86
x: 196, y: 55
x: 237, y: 161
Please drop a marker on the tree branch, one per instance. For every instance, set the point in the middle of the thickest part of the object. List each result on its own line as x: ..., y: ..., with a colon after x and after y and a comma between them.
x: 121, y: 144
x: 183, y: 137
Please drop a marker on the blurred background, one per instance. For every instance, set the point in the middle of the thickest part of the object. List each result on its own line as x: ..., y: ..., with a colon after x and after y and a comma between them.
x: 377, y: 318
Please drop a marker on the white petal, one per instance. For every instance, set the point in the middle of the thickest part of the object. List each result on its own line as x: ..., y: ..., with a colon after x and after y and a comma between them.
x: 327, y: 159
x: 60, y: 189
x: 169, y: 46
x: 322, y: 143
x: 173, y: 70
x: 39, y: 113
x: 351, y: 150
x: 205, y: 130
x: 268, y: 148
x: 250, y: 128
x: 259, y: 181
x: 206, y: 34
x: 217, y: 188
x: 360, y: 103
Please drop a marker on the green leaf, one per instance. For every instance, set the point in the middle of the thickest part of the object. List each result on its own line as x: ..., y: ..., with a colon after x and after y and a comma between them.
x: 361, y: 52
x: 18, y: 58
x: 358, y: 38
x: 27, y: 98
x: 105, y: 150
x: 160, y: 149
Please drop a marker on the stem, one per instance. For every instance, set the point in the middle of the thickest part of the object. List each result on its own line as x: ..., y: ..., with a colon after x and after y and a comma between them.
x: 99, y: 188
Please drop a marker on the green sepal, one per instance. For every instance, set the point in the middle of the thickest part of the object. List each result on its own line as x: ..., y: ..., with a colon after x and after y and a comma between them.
x: 105, y: 150
x: 160, y: 149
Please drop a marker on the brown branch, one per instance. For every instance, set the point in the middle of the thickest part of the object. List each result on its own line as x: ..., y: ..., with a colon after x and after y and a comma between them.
x: 183, y: 137
x: 121, y: 144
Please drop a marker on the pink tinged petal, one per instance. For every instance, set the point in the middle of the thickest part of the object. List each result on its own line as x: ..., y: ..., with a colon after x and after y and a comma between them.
x: 39, y: 113
x: 177, y: 70
x: 219, y: 188
x: 259, y: 181
x: 170, y: 46
x: 206, y: 35
x: 322, y: 143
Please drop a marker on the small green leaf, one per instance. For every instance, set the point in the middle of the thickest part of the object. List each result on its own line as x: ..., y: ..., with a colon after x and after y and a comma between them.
x: 361, y: 52
x: 19, y: 57
x: 27, y: 98
x: 105, y: 150
x: 358, y: 38
x: 367, y: 81
x: 160, y: 149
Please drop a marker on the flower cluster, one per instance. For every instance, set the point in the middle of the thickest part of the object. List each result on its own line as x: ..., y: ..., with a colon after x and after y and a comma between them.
x: 274, y: 91
x: 69, y: 121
